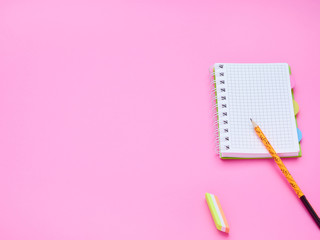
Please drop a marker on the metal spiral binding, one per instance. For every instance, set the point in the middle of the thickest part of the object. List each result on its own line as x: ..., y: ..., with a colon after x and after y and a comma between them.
x: 220, y: 101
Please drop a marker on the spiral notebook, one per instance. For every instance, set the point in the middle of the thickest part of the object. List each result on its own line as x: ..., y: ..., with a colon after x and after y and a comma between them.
x: 259, y: 91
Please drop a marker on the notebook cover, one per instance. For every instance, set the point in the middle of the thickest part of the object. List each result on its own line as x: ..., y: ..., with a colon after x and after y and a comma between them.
x: 215, y: 89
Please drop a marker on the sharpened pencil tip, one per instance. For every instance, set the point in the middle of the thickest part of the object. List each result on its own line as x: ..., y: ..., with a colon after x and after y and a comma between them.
x: 253, y: 123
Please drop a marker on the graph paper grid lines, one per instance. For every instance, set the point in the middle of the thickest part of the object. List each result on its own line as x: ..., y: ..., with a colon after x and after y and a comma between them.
x: 261, y: 92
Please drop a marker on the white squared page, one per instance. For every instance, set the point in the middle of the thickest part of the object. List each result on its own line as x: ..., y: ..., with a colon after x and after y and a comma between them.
x: 261, y: 92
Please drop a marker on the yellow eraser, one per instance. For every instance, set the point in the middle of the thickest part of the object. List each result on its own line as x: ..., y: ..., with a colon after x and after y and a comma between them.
x: 217, y: 214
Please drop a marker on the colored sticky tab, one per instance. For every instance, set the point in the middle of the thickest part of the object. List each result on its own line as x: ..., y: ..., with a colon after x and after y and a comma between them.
x: 299, y: 134
x: 295, y: 107
x: 292, y: 82
x: 217, y: 213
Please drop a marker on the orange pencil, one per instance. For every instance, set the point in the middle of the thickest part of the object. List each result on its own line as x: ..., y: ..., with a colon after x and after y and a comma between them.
x: 286, y: 173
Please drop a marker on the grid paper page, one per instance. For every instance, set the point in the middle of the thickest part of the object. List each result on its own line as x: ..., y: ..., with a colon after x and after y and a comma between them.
x: 261, y: 92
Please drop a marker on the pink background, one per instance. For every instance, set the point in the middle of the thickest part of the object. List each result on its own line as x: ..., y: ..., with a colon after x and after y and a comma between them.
x: 106, y: 128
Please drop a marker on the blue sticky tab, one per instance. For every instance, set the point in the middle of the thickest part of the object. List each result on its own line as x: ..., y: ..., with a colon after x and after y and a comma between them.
x: 299, y: 134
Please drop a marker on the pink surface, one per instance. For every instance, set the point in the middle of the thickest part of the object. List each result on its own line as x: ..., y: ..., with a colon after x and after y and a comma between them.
x: 292, y: 81
x: 106, y: 128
